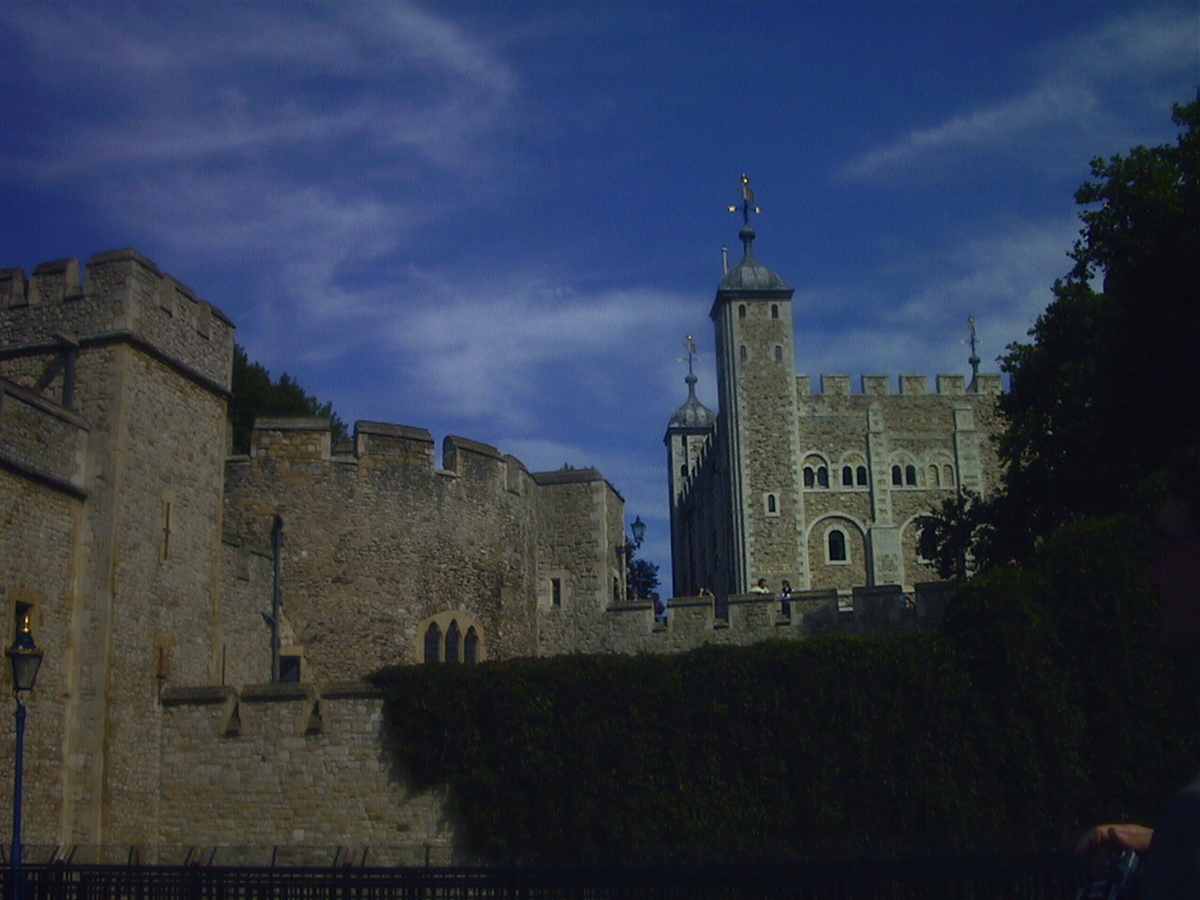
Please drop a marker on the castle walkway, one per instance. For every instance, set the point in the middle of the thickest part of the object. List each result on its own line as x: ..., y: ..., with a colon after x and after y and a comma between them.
x: 1022, y: 877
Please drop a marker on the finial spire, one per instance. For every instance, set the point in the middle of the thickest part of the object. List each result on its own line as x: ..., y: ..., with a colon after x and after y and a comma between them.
x: 973, y: 359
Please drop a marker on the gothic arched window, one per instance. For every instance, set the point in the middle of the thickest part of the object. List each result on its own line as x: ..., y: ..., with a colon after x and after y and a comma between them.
x: 471, y: 646
x: 452, y: 637
x: 433, y: 643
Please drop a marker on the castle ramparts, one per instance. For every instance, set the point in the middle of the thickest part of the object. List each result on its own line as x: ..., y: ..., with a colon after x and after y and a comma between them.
x: 122, y: 296
x: 909, y: 385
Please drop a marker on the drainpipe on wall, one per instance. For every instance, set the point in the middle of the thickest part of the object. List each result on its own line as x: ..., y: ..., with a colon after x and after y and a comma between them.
x: 276, y: 594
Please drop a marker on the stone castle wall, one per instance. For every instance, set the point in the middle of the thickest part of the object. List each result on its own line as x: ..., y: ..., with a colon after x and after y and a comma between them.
x: 146, y: 557
x: 292, y: 765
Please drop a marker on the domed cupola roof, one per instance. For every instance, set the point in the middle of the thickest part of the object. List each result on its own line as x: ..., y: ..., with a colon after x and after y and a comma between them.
x: 693, y: 413
x: 750, y: 274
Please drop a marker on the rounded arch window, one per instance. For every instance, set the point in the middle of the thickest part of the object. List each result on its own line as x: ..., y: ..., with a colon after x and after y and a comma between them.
x: 897, y: 476
x: 836, y: 545
x: 910, y: 475
x: 742, y: 353
x: 774, y: 310
x: 741, y: 310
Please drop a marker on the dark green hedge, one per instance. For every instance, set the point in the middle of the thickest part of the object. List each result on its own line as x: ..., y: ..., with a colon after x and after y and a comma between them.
x: 1035, y: 711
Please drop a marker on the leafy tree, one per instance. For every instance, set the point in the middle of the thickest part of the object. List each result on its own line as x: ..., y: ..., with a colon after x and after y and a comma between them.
x: 948, y: 535
x: 1104, y: 392
x: 255, y: 395
x: 641, y: 578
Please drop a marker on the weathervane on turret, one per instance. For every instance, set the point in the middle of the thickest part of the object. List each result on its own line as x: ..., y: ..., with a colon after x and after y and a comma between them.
x: 747, y: 201
x: 691, y: 355
x: 973, y: 359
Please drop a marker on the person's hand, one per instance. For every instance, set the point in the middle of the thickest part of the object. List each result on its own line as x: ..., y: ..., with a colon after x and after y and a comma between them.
x: 1103, y: 841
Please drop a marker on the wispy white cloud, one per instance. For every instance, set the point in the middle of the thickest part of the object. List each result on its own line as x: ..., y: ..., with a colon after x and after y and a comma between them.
x: 487, y: 349
x: 1001, y: 275
x: 1047, y: 105
x: 1073, y: 95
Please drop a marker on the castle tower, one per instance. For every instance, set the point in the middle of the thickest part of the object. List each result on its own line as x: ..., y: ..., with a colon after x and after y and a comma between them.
x: 757, y: 423
x: 140, y: 367
x: 688, y: 435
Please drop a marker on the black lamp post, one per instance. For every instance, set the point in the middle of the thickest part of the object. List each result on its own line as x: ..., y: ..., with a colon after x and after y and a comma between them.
x: 25, y: 658
x: 626, y: 547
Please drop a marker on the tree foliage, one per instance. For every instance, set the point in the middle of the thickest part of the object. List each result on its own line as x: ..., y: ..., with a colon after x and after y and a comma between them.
x: 1105, y: 391
x: 256, y: 395
x: 948, y: 535
x: 641, y: 578
x: 1038, y: 710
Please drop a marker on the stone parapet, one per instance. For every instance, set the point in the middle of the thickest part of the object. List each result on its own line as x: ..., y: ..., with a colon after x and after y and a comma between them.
x: 123, y: 296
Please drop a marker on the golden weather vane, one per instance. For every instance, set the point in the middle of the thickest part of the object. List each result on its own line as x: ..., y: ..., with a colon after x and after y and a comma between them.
x: 747, y: 203
x: 692, y: 355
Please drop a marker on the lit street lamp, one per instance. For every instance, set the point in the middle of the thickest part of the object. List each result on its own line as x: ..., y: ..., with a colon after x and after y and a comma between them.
x: 25, y: 658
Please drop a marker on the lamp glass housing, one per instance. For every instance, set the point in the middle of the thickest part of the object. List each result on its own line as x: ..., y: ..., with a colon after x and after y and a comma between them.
x: 639, y: 530
x: 25, y: 663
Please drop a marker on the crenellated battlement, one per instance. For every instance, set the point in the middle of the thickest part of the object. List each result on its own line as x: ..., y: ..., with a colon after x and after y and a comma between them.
x: 838, y: 385
x: 122, y: 294
x: 381, y: 445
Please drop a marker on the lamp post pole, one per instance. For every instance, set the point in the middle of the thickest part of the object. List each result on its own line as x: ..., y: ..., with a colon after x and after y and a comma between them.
x: 18, y: 766
x: 25, y: 658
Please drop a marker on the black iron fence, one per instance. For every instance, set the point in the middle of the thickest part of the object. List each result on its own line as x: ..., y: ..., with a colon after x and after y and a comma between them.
x: 1040, y: 877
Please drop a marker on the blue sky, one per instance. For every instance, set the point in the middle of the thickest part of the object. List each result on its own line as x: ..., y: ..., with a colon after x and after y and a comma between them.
x: 501, y: 220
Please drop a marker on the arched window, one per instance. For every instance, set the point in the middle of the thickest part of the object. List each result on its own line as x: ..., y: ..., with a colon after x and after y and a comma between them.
x: 910, y: 475
x: 471, y: 646
x: 948, y: 475
x: 741, y: 310
x: 837, y: 546
x: 847, y: 476
x: 772, y: 504
x: 778, y: 353
x: 809, y: 476
x: 452, y: 637
x: 861, y: 474
x: 774, y: 310
x: 742, y: 354
x: 433, y: 643
x: 897, y: 476
x: 933, y: 476
x: 823, y: 477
